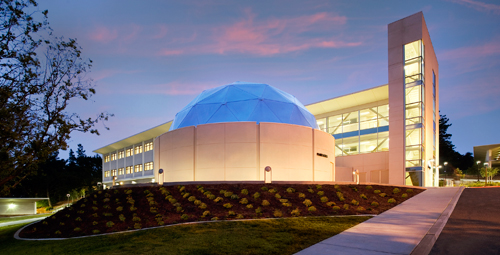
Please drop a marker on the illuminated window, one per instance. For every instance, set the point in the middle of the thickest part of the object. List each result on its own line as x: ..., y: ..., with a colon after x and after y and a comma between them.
x: 106, y: 173
x: 138, y: 168
x: 113, y: 172
x: 129, y: 152
x: 148, y: 146
x: 350, y: 122
x: 148, y: 166
x: 128, y: 169
x: 138, y: 149
x: 106, y: 158
x: 120, y: 171
x: 113, y: 156
x: 335, y: 124
x: 121, y: 154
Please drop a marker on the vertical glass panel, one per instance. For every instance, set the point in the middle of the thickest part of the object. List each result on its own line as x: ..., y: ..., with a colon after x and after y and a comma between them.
x: 413, y: 178
x: 350, y: 122
x: 413, y: 137
x: 368, y: 143
x: 383, y: 141
x: 350, y: 145
x: 412, y: 50
x: 412, y: 68
x: 338, y: 147
x: 322, y: 124
x: 413, y: 94
x: 383, y: 115
x: 335, y: 124
x: 368, y: 118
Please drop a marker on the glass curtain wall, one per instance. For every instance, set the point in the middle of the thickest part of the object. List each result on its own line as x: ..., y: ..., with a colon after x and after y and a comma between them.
x: 356, y: 132
x: 414, y: 111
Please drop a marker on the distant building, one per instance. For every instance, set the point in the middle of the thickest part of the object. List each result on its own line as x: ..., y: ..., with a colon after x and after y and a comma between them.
x: 388, y: 133
x: 487, y: 154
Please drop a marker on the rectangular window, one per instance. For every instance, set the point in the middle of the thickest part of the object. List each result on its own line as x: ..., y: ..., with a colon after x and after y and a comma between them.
x: 106, y: 158
x: 120, y: 171
x: 368, y: 118
x: 350, y: 145
x: 368, y: 143
x: 106, y: 173
x: 129, y: 152
x: 128, y: 169
x: 335, y: 124
x: 121, y: 154
x: 413, y: 137
x: 138, y: 149
x: 113, y: 156
x: 350, y: 122
x: 138, y: 168
x: 383, y: 141
x: 383, y: 115
x: 148, y: 146
x: 113, y: 172
x: 148, y: 166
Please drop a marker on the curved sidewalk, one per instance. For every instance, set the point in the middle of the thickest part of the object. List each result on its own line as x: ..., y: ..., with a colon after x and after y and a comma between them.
x: 409, y: 228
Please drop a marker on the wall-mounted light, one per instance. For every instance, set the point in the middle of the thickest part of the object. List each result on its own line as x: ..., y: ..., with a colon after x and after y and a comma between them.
x: 12, y: 206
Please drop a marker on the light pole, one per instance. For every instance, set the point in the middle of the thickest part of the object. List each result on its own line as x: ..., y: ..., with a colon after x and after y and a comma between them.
x: 485, y: 174
x: 445, y: 171
x: 99, y: 185
x: 478, y: 173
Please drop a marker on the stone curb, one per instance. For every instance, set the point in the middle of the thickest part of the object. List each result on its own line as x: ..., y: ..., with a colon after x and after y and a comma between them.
x: 424, y: 247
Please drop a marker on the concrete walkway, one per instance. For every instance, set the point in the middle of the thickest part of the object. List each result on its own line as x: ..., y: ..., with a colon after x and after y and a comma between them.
x: 22, y: 221
x: 409, y: 228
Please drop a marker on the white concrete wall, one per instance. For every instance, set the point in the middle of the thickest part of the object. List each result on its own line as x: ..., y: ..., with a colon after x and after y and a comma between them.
x: 239, y: 151
x: 373, y: 167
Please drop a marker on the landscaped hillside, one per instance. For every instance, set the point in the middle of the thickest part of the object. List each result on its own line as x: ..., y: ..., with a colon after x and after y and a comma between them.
x: 142, y: 207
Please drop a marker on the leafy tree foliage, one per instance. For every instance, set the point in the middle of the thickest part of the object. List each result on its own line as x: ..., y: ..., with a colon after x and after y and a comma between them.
x: 447, y: 152
x: 35, y: 91
x: 57, y: 177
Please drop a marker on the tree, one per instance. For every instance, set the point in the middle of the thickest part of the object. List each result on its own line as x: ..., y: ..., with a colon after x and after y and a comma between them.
x: 447, y: 152
x: 491, y: 172
x: 35, y: 91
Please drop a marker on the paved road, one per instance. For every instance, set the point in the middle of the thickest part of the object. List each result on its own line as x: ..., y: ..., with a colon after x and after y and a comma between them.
x: 474, y: 225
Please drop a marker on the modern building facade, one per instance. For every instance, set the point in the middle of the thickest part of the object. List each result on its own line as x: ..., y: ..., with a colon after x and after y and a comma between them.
x: 388, y: 133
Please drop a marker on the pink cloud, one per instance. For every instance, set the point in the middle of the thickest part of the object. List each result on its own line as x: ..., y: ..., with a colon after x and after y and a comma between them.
x: 134, y: 32
x: 161, y: 31
x: 105, y: 73
x: 479, y: 6
x: 103, y: 34
x: 471, y: 58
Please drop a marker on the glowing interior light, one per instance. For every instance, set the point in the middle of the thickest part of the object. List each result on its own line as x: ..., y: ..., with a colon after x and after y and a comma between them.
x: 12, y: 206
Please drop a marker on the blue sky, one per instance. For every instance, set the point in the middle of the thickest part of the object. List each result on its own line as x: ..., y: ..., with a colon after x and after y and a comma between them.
x: 151, y: 58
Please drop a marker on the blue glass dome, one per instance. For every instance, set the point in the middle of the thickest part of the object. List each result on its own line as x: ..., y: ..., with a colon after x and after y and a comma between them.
x: 242, y: 101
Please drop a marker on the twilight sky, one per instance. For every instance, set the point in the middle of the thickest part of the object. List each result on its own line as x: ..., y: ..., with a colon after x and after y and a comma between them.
x: 151, y: 58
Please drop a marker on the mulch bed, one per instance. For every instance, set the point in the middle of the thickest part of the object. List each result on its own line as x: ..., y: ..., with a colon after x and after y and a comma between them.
x: 142, y: 207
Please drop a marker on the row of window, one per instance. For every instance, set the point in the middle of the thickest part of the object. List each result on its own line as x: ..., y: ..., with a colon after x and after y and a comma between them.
x: 362, y: 144
x: 128, y: 170
x: 372, y: 117
x: 128, y: 152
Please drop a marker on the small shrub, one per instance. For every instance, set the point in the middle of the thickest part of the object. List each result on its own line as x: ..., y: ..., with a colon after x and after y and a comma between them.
x: 172, y: 200
x: 191, y: 198
x: 107, y: 214
x: 67, y: 215
x: 321, y: 193
x: 83, y: 205
x: 354, y: 202
x: 368, y: 187
x: 307, y: 202
x: 363, y: 196
x: 231, y: 213
x: 240, y: 216
x: 272, y: 191
x: 105, y: 206
x: 211, y: 197
x: 244, y: 201
x: 80, y: 212
x: 136, y: 218
x: 354, y: 188
x: 310, y: 190
x: 249, y: 206
x: 360, y: 209
x: 215, y: 218
x: 340, y: 196
x: 184, y: 217
x: 228, y: 193
x: 277, y: 196
x: 129, y: 191
x: 296, y: 212
x: 177, y: 204
x: 133, y: 208
x: 302, y: 195
x: 160, y: 223
x: 186, y: 195
x: 202, y: 206
x: 96, y: 231
x: 377, y: 191
x: 121, y: 217
x: 277, y: 213
x: 153, y: 210
x: 264, y: 188
x: 404, y: 195
x: 228, y: 205
x: 45, y: 223
x: 290, y: 190
x: 95, y: 208
x: 105, y: 200
x: 235, y: 197
x: 197, y: 202
x: 94, y: 202
x: 78, y: 219
x: 244, y: 191
x: 335, y: 208
x: 256, y: 195
x: 391, y: 201
x: 218, y: 199
x: 205, y: 214
x: 179, y: 209
x: 337, y: 187
x: 95, y: 223
x: 265, y: 203
x: 137, y: 225
x: 311, y: 209
x: 324, y: 199
x: 396, y: 190
x: 77, y: 229
x: 181, y: 188
x: 287, y: 204
x: 331, y: 203
x: 119, y: 208
x: 382, y: 194
x: 346, y: 206
x: 318, y: 186
x: 222, y: 191
x: 95, y: 215
x: 207, y: 193
x: 61, y: 223
x: 109, y: 224
x: 283, y: 200
x: 409, y: 190
x: 374, y: 204
x: 258, y: 211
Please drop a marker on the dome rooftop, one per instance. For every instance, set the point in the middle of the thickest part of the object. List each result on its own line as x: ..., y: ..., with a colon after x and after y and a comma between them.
x: 242, y: 101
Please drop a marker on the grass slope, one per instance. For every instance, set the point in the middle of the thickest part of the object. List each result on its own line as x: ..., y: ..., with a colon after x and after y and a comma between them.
x: 272, y: 236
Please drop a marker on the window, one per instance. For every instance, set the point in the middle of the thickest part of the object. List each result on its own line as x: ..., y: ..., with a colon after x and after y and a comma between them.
x: 106, y: 158
x: 106, y: 173
x: 129, y: 152
x: 335, y: 124
x: 113, y: 172
x: 368, y: 118
x: 148, y: 146
x: 148, y: 166
x: 128, y: 169
x: 138, y: 149
x: 368, y: 143
x: 121, y: 154
x: 322, y: 124
x: 120, y: 171
x: 138, y: 168
x: 350, y: 122
x: 113, y: 156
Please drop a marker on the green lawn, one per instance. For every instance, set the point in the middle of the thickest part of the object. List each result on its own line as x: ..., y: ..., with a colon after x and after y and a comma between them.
x: 276, y: 236
x: 9, y: 219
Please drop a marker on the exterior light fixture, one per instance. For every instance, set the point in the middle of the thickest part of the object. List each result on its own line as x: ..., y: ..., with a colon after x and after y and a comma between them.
x: 12, y: 206
x: 486, y: 173
x: 268, y: 169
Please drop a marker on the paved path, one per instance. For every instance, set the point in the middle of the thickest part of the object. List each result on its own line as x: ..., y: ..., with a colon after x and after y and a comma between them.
x: 21, y: 221
x: 409, y: 228
x: 474, y: 225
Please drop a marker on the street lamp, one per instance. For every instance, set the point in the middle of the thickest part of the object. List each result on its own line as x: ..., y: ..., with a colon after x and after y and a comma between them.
x: 99, y: 185
x: 486, y: 174
x: 445, y: 171
x: 478, y: 162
